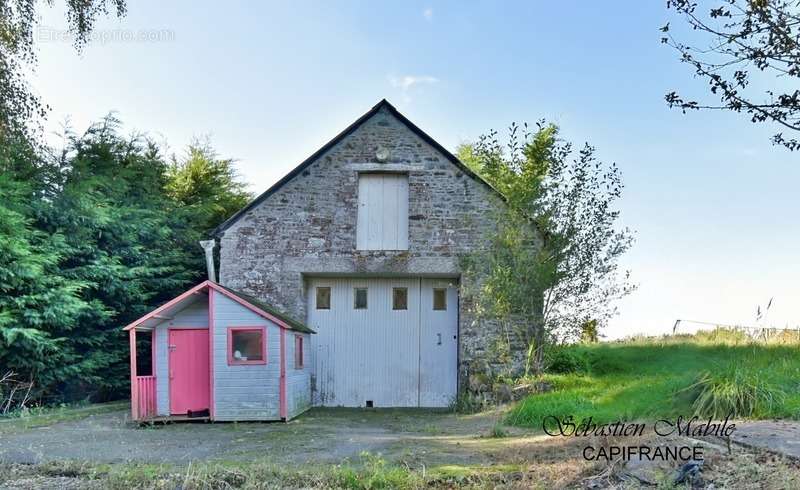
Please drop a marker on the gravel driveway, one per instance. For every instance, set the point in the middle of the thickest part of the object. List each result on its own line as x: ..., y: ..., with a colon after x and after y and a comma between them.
x: 319, y: 436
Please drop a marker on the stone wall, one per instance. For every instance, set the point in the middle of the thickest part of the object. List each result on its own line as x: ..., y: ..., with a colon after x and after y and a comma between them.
x: 308, y: 226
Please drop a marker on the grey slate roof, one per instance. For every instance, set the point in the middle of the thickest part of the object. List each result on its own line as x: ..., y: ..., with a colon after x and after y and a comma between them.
x: 293, y: 324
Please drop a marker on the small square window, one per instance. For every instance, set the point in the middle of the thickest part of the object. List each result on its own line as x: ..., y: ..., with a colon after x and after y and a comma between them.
x: 439, y: 299
x: 324, y: 298
x: 246, y: 345
x: 399, y: 298
x: 298, y: 352
x: 360, y: 298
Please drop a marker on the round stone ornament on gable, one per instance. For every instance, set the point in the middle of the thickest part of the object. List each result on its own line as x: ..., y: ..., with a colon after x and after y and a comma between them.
x: 382, y: 154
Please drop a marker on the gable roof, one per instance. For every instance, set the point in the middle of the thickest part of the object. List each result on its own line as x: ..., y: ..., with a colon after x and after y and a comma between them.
x: 291, y: 323
x: 339, y: 137
x: 253, y: 304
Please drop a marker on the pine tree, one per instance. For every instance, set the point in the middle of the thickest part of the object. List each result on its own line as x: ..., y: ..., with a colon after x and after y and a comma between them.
x: 206, y: 185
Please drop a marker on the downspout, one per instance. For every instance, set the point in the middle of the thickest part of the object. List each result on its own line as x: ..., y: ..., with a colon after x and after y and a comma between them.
x: 212, y: 315
x: 208, y: 246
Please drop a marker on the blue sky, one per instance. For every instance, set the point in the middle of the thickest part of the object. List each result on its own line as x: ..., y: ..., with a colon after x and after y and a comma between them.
x: 713, y: 203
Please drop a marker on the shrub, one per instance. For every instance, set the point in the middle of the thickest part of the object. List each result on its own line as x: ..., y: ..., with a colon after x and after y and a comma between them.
x: 736, y: 390
x: 564, y: 360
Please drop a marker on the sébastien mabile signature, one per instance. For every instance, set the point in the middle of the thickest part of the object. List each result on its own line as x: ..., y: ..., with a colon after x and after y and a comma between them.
x: 682, y: 426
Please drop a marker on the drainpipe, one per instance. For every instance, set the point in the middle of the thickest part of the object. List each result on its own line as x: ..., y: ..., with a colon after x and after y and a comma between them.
x: 208, y: 246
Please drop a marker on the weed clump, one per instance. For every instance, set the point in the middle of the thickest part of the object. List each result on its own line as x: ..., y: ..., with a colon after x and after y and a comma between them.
x: 735, y: 390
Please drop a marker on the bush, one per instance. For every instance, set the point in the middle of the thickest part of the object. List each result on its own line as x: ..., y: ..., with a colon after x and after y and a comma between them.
x: 736, y: 390
x: 562, y: 360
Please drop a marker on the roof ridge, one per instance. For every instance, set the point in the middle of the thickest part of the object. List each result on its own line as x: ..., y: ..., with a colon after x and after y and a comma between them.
x: 256, y: 305
x: 336, y: 139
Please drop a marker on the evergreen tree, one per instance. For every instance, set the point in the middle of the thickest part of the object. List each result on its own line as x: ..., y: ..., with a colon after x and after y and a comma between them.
x: 206, y: 185
x: 39, y: 307
x: 92, y: 238
x: 127, y: 241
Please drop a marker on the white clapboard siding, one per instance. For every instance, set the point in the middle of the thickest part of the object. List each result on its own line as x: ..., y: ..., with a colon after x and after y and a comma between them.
x: 244, y: 392
x: 382, y: 212
x: 298, y: 379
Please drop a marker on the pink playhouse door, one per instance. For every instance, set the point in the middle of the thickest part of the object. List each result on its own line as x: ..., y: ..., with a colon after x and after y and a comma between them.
x: 188, y: 371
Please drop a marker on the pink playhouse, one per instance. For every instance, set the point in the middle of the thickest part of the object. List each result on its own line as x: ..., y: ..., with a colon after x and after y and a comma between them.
x: 219, y: 354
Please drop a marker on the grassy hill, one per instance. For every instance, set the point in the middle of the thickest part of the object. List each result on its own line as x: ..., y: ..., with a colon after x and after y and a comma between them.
x: 709, y: 374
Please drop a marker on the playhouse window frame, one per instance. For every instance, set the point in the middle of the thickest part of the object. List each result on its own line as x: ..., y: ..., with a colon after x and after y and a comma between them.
x: 232, y: 361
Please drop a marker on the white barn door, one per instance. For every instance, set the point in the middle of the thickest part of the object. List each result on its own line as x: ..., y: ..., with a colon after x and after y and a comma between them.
x: 386, y: 356
x: 367, y: 355
x: 438, y: 372
x: 382, y: 221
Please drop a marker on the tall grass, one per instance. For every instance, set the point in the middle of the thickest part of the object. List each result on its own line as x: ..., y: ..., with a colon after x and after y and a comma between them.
x: 737, y: 391
x: 709, y: 374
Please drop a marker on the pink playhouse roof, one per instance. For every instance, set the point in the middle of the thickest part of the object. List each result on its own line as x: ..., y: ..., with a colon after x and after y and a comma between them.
x: 167, y: 310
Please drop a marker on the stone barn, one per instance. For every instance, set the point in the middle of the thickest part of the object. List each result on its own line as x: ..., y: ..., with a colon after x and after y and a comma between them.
x: 363, y: 243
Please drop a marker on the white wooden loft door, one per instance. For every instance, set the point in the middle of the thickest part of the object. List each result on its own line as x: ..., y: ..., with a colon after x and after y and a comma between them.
x: 382, y: 212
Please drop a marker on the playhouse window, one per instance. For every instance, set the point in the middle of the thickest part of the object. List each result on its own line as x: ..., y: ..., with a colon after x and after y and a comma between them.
x: 298, y: 352
x: 247, y: 345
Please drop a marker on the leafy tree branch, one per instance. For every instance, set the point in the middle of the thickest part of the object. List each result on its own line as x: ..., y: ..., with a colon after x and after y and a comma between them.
x: 749, y: 43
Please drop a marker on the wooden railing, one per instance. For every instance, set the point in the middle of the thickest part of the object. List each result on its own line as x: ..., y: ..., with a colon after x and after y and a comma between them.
x: 145, y: 397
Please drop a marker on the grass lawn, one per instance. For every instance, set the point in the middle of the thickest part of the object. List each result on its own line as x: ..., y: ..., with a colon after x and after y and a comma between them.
x: 648, y: 379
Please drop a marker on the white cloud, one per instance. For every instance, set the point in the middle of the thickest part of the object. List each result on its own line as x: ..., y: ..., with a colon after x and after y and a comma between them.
x: 428, y: 14
x: 408, y: 81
